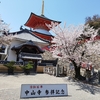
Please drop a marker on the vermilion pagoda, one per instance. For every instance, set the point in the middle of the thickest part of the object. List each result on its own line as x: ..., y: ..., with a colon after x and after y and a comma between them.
x: 38, y: 24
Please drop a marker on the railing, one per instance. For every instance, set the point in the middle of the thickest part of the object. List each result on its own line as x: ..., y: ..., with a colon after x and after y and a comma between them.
x: 49, y: 66
x: 51, y: 70
x: 62, y: 71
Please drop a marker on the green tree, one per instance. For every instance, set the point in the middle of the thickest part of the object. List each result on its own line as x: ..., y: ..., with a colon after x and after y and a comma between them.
x: 94, y: 22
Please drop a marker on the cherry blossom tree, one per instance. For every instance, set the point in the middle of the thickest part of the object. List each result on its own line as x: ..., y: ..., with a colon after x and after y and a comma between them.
x: 5, y: 38
x: 75, y: 44
x: 47, y: 55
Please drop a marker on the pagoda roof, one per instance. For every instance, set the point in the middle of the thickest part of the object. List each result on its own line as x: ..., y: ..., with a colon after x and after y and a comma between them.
x: 42, y: 31
x: 43, y: 36
x: 36, y: 21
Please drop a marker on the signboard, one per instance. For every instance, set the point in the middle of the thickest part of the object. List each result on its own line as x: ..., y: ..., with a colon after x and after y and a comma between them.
x: 43, y: 90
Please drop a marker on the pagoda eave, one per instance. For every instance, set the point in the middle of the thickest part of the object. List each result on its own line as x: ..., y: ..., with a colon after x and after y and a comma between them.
x: 43, y: 36
x: 34, y: 21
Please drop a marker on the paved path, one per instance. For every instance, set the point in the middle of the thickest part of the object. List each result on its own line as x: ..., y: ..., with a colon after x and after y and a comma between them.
x: 10, y: 86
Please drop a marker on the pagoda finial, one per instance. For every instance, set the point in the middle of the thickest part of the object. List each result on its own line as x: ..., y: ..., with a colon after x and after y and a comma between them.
x: 42, y: 13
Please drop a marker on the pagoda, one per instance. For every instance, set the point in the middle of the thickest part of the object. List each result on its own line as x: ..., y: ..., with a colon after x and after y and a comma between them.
x: 38, y: 25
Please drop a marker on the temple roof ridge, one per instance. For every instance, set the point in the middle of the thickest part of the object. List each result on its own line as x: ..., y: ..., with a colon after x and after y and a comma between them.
x: 29, y: 32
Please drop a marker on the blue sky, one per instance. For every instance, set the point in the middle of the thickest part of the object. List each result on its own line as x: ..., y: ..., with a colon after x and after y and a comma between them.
x: 73, y: 12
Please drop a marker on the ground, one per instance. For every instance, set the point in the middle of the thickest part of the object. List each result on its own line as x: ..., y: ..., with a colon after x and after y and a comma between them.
x: 10, y: 87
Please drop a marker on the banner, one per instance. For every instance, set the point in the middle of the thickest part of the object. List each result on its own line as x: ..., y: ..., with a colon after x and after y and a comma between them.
x: 43, y: 90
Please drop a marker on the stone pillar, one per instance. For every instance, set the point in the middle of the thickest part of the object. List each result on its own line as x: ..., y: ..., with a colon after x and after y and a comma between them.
x: 57, y: 70
x: 63, y: 70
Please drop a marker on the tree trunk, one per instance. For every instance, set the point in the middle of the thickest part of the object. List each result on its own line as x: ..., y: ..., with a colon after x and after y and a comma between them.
x: 77, y: 71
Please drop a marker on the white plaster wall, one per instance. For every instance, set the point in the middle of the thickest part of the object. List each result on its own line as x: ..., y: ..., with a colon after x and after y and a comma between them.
x: 11, y: 53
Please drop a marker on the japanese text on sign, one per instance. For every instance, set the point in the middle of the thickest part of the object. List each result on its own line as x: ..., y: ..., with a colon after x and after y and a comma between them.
x: 40, y: 90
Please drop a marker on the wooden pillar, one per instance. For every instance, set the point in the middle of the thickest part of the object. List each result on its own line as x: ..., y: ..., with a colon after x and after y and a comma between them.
x: 35, y: 66
x: 17, y: 59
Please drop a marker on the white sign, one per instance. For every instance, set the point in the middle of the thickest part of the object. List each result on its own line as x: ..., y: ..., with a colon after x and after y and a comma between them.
x: 43, y: 90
